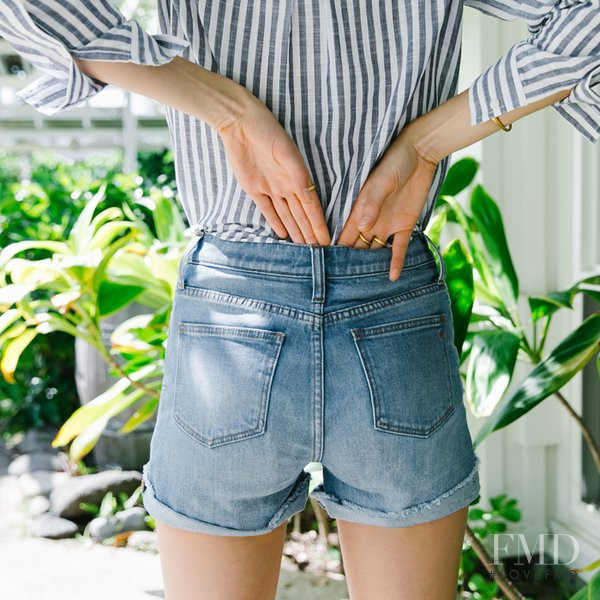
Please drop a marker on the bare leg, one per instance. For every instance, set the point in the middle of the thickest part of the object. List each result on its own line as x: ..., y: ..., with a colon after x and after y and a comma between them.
x: 403, y: 563
x: 200, y: 566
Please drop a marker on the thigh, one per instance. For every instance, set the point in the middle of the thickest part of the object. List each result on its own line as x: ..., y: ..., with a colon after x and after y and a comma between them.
x: 201, y: 566
x: 403, y: 563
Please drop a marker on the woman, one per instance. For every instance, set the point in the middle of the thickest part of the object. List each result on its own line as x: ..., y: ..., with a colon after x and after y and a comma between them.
x: 306, y: 133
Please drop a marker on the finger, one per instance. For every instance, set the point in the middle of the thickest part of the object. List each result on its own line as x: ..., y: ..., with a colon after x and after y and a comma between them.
x: 363, y: 216
x: 314, y: 212
x: 399, y: 246
x: 282, y: 208
x: 301, y: 219
x: 309, y: 199
x: 375, y: 244
x: 360, y: 243
x: 265, y: 204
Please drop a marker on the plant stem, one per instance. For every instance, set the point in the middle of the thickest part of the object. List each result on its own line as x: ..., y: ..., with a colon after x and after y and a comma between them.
x: 544, y: 333
x: 322, y: 521
x: 510, y: 591
x: 585, y: 432
x: 136, y: 384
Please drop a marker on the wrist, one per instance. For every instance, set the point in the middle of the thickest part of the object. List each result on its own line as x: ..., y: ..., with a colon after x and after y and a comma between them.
x: 204, y: 94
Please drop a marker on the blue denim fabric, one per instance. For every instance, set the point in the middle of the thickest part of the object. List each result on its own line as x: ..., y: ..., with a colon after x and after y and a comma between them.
x: 283, y: 354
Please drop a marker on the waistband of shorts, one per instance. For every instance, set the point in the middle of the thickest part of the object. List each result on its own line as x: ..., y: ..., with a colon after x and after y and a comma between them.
x: 295, y: 259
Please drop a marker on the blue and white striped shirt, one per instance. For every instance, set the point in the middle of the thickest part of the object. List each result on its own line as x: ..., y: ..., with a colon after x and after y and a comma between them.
x: 343, y: 77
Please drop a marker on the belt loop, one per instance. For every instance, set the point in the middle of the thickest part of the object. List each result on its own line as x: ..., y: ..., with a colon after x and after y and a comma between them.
x: 197, y: 235
x: 442, y: 277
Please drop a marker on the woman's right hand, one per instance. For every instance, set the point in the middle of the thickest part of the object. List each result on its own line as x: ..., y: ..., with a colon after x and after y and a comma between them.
x: 269, y: 167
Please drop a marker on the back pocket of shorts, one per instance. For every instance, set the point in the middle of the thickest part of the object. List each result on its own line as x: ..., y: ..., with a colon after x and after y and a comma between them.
x: 408, y: 372
x: 223, y: 381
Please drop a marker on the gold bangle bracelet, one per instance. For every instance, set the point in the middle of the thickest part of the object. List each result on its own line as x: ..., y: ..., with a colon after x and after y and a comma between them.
x: 501, y: 124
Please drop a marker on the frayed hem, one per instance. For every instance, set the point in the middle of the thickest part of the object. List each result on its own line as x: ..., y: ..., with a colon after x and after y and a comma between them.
x: 345, y: 508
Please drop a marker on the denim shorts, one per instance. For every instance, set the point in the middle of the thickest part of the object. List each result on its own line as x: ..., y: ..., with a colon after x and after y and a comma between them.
x: 282, y: 354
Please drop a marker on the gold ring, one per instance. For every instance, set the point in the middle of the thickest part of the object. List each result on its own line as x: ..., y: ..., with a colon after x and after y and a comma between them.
x: 311, y: 188
x: 363, y: 238
x: 379, y: 241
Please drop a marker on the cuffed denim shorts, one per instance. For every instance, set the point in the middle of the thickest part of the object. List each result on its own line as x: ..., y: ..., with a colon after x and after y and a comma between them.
x: 282, y: 354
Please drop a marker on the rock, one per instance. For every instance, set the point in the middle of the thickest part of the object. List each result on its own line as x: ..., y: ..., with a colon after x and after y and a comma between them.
x: 51, y: 526
x: 132, y: 519
x: 37, y: 440
x: 143, y: 540
x: 36, y: 461
x: 38, y: 505
x: 41, y: 483
x: 65, y: 498
x: 101, y: 528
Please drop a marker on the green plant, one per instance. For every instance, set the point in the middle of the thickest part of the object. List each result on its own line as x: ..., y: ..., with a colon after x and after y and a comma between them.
x: 490, y: 334
x: 108, y: 260
x: 111, y: 504
x: 591, y: 591
x: 484, y: 522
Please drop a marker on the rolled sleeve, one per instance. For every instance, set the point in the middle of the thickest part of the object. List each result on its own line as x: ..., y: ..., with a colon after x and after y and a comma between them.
x: 51, y: 33
x: 563, y: 51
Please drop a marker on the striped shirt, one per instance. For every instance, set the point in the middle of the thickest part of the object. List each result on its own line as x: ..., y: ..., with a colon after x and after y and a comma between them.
x: 342, y: 76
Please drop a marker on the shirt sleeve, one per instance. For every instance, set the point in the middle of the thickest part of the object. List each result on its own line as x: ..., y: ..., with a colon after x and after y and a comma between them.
x: 563, y: 51
x: 50, y: 33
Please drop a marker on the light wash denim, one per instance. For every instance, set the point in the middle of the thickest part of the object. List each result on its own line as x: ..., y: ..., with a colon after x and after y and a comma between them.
x: 283, y: 354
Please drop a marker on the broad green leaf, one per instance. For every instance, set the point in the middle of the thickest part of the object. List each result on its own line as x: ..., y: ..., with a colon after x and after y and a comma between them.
x: 8, y: 318
x: 35, y: 273
x: 12, y: 293
x: 86, y: 440
x: 490, y: 369
x: 140, y: 416
x: 13, y: 249
x: 101, y: 407
x: 459, y: 176
x: 489, y: 223
x: 112, y: 213
x: 476, y: 251
x: 548, y: 376
x: 12, y: 353
x: 12, y: 331
x: 100, y: 273
x: 107, y: 234
x: 459, y: 279
x: 167, y: 220
x: 543, y: 306
x: 82, y: 231
x: 436, y: 225
x: 112, y: 297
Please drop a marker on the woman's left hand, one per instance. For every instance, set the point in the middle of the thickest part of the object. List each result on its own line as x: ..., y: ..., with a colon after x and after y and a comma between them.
x: 391, y: 200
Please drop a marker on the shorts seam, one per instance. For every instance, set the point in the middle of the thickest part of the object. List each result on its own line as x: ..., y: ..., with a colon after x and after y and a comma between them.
x: 312, y: 318
x: 289, y: 275
x: 376, y: 305
x: 416, y: 508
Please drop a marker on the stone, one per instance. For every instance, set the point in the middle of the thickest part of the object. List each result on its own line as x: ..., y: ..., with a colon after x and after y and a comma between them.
x: 101, y: 528
x: 35, y: 461
x: 65, y: 498
x: 41, y: 483
x: 132, y: 519
x: 38, y: 505
x: 143, y: 540
x: 50, y: 526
